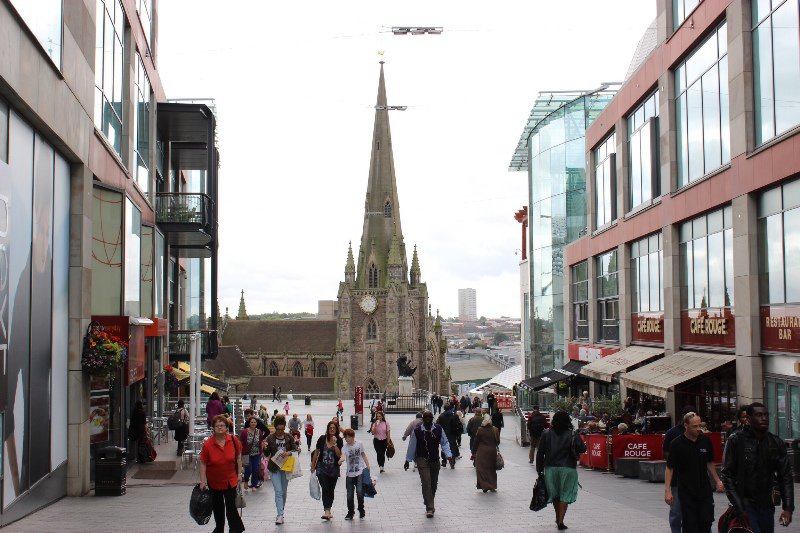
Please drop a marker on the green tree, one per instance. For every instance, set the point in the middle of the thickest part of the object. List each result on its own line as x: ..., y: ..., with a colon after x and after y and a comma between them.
x: 482, y: 321
x: 500, y: 338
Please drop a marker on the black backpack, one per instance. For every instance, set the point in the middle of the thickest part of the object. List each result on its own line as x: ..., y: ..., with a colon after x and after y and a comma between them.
x: 174, y: 422
x: 536, y: 425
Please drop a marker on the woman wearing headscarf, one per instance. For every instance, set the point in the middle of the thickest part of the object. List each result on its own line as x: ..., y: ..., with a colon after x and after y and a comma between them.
x: 484, y: 448
x: 557, y: 459
x: 221, y: 471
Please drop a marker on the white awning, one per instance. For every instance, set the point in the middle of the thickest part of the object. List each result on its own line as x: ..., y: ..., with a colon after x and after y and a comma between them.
x: 604, y: 368
x: 504, y: 380
x: 659, y: 377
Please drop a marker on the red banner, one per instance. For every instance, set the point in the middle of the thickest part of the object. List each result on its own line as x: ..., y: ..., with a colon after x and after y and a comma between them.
x: 708, y: 327
x: 359, y: 400
x: 648, y: 327
x: 598, y: 451
x: 780, y: 328
x: 647, y: 447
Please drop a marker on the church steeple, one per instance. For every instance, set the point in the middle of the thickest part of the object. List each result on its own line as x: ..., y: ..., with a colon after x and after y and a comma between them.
x: 381, y: 207
x: 350, y: 267
x: 416, y: 274
x: 242, y: 311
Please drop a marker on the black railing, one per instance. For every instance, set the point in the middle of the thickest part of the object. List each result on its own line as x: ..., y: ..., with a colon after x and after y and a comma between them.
x: 412, y: 403
x: 183, y: 208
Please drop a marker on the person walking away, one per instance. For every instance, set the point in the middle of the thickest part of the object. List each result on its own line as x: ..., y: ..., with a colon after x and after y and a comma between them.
x: 433, y: 402
x: 325, y: 463
x: 423, y: 450
x: 340, y: 410
x: 753, y: 460
x: 226, y: 402
x: 214, y: 407
x: 274, y: 394
x: 254, y: 403
x: 182, y: 433
x: 492, y: 402
x: 280, y: 390
x: 672, y: 434
x: 452, y: 429
x: 279, y: 445
x: 381, y: 432
x: 308, y: 429
x: 472, y: 427
x: 484, y: 448
x: 251, y: 438
x: 692, y: 457
x: 220, y: 472
x: 498, y: 421
x: 353, y: 452
x: 536, y: 423
x: 137, y: 432
x: 557, y: 459
x: 464, y: 404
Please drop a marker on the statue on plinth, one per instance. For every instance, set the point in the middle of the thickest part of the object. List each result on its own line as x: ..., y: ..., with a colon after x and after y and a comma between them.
x: 403, y: 368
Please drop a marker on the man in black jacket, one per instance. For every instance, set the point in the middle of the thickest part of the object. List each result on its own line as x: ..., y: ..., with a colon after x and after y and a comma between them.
x: 754, y: 458
x: 452, y: 429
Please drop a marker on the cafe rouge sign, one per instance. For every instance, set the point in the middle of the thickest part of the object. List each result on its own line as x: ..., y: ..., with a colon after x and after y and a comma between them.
x: 780, y: 328
x: 648, y: 327
x: 708, y: 327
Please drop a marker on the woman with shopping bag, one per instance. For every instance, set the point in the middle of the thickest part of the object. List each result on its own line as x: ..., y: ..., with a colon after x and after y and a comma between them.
x: 221, y: 472
x: 279, y: 448
x: 325, y: 464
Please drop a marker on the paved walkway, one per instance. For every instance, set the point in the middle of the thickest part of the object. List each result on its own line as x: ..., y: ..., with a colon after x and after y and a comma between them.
x: 606, y: 503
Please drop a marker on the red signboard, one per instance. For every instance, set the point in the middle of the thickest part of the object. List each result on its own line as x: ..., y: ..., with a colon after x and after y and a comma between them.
x: 159, y: 328
x: 780, y: 328
x: 648, y: 327
x: 504, y: 401
x: 585, y: 352
x: 708, y: 327
x: 647, y: 447
x: 359, y: 400
x: 598, y: 451
x: 134, y: 335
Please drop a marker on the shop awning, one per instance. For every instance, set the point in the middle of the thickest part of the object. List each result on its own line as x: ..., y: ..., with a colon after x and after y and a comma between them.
x: 604, y: 368
x: 551, y: 378
x: 659, y: 377
x: 504, y: 380
x: 181, y: 372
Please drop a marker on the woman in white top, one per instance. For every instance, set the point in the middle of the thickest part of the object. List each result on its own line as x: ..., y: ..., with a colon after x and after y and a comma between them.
x: 356, y: 457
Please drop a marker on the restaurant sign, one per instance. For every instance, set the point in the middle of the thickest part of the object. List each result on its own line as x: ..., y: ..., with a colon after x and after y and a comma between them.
x: 588, y: 353
x: 780, y: 328
x: 648, y: 327
x: 708, y: 327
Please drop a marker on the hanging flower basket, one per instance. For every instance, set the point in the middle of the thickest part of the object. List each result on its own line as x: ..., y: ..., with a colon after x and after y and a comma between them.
x: 103, y: 354
x: 170, y: 381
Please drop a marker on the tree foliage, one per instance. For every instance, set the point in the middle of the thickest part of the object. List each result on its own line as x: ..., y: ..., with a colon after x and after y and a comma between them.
x: 280, y: 316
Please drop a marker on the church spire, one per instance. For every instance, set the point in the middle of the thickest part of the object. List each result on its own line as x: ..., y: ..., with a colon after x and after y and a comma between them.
x: 382, y: 207
x: 350, y: 267
x: 416, y: 274
x: 242, y: 311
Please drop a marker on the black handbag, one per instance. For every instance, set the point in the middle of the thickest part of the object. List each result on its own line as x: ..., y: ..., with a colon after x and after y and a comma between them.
x: 539, y: 499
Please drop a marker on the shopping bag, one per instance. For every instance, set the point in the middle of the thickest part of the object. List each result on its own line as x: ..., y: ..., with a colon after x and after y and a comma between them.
x: 288, y: 464
x: 539, y: 500
x: 239, y: 500
x: 314, y: 488
x: 499, y: 463
x: 296, y: 470
x: 200, y: 506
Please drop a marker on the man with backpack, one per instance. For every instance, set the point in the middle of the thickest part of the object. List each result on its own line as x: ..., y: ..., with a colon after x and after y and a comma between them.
x: 536, y: 423
x: 179, y: 423
x: 452, y: 427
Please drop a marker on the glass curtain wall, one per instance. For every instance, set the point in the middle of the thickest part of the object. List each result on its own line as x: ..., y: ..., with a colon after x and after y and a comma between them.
x: 608, y: 297
x: 776, y: 67
x: 141, y: 128
x: 681, y: 9
x: 133, y: 254
x: 643, y: 139
x: 779, y: 245
x: 145, y: 10
x: 605, y: 181
x: 109, y: 72
x: 43, y: 17
x: 107, y: 249
x: 580, y: 301
x: 706, y: 252
x: 701, y: 107
x: 783, y: 402
x: 647, y: 275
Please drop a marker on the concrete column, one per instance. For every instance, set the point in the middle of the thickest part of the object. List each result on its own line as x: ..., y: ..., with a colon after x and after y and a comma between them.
x: 749, y: 378
x: 668, y: 136
x: 672, y: 288
x: 80, y: 312
x: 623, y: 184
x: 664, y: 19
x: 740, y: 77
x: 624, y: 282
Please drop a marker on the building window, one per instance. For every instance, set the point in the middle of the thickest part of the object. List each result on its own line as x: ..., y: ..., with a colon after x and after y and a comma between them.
x: 647, y: 275
x: 133, y: 261
x: 372, y: 281
x: 605, y: 181
x: 707, y: 261
x: 608, y: 297
x: 387, y: 209
x: 372, y: 330
x: 782, y: 398
x: 643, y: 135
x: 109, y: 72
x: 778, y: 238
x: 701, y: 107
x: 273, y: 369
x: 322, y: 370
x: 372, y: 390
x: 580, y: 301
x: 776, y: 67
x: 297, y: 370
x: 141, y: 128
x: 681, y: 9
x: 44, y: 20
x: 145, y: 10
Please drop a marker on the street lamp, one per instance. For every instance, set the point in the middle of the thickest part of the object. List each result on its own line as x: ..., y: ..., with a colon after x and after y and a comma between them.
x: 417, y: 30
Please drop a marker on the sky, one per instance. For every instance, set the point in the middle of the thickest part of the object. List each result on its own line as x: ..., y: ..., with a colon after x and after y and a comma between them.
x: 295, y: 85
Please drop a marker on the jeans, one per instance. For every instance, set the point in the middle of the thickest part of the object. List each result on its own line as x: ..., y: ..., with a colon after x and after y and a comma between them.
x: 429, y: 478
x: 380, y: 449
x: 251, y: 470
x: 280, y: 483
x: 761, y: 520
x: 224, y: 502
x: 354, y: 484
x: 532, y: 451
x: 328, y: 485
x: 697, y: 514
x: 675, y: 512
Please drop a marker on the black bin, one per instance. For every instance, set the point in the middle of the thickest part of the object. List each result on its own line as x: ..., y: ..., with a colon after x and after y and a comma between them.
x: 110, y: 471
x: 354, y: 422
x: 308, y: 399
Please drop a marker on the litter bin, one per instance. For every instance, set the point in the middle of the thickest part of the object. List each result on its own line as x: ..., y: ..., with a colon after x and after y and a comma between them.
x: 308, y: 399
x: 110, y: 471
x: 354, y: 422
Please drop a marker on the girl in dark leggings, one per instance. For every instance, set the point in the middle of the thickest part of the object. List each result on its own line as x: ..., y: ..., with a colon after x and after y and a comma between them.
x: 326, y: 464
x: 380, y: 432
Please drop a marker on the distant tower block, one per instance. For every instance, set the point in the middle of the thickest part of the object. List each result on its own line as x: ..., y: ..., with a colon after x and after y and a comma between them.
x: 467, y: 308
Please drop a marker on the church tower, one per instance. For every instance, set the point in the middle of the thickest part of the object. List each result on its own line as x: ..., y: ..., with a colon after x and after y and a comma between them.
x: 382, y: 313
x: 242, y: 314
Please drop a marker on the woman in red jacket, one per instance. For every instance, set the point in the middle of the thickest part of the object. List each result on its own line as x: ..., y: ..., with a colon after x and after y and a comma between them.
x: 220, y: 471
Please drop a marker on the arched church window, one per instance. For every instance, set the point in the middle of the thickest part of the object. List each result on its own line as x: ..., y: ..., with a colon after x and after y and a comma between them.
x: 372, y: 330
x: 297, y: 370
x: 372, y: 390
x: 372, y: 280
x: 387, y: 209
x: 322, y: 370
x: 273, y: 369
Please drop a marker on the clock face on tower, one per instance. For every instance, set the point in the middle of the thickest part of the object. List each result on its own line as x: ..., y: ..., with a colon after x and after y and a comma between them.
x: 368, y: 304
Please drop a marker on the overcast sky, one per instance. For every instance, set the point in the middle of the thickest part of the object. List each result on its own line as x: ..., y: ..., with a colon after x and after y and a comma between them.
x: 295, y: 84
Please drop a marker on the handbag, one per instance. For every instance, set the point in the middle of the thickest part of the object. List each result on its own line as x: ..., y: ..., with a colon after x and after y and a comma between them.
x: 499, y: 463
x: 314, y: 488
x: 731, y: 522
x: 390, y: 449
x: 239, y: 500
x: 539, y: 499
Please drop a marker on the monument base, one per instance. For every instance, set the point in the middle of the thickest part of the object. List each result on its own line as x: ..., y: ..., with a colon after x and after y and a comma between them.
x: 405, y: 386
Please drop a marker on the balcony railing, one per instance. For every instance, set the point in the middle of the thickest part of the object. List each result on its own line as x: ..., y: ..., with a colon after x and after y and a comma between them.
x: 180, y: 342
x: 183, y: 208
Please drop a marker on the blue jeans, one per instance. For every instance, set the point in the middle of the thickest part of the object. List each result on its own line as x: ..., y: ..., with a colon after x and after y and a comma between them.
x: 354, y: 484
x: 675, y: 512
x: 281, y: 484
x: 761, y: 520
x: 251, y: 470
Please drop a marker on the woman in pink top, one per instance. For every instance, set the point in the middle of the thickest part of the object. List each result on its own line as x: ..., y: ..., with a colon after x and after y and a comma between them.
x: 380, y: 432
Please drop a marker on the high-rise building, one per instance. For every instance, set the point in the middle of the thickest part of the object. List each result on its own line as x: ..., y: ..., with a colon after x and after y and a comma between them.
x: 467, y: 305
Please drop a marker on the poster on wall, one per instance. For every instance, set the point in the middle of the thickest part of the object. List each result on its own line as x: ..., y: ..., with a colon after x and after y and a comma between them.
x: 99, y: 409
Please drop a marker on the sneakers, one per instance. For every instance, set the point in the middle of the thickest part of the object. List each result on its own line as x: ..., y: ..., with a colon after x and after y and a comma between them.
x: 429, y: 513
x: 381, y: 470
x: 279, y: 520
x: 361, y: 514
x: 349, y: 515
